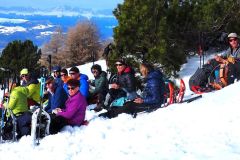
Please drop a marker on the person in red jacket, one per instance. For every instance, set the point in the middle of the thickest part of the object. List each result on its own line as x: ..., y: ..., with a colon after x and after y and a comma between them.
x: 74, y: 113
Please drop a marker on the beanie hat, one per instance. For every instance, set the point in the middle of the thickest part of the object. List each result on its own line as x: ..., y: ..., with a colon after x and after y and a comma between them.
x: 233, y: 35
x: 56, y: 69
x: 24, y: 71
x: 74, y: 69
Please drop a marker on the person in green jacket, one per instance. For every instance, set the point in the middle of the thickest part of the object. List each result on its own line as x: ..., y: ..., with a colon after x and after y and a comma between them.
x: 19, y: 106
x: 34, y: 91
x: 100, y: 84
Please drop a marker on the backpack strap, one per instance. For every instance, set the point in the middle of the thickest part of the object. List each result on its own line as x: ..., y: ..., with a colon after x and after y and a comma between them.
x: 223, y: 74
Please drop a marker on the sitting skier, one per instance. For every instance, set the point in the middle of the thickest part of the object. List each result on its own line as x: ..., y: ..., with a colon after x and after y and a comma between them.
x: 124, y: 86
x: 74, y: 114
x: 231, y: 58
x: 100, y: 84
x: 18, y: 104
x: 56, y: 95
x: 152, y: 95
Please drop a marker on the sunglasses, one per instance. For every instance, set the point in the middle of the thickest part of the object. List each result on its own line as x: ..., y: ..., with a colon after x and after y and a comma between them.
x: 24, y: 75
x: 118, y: 64
x: 63, y: 75
x: 234, y: 39
x: 71, y: 88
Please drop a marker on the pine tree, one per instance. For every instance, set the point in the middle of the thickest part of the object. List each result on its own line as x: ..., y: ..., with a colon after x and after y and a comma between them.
x: 18, y: 55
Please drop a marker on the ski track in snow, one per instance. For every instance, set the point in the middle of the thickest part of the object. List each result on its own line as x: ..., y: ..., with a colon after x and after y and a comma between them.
x: 205, y: 129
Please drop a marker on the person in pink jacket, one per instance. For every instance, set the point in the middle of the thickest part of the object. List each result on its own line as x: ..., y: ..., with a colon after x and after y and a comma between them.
x: 74, y: 113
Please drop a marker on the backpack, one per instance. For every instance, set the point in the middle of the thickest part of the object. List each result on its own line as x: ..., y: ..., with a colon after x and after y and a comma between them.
x: 201, y: 77
x: 226, y: 76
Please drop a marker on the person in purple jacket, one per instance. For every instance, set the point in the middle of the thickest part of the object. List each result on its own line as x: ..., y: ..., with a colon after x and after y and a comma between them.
x: 74, y: 113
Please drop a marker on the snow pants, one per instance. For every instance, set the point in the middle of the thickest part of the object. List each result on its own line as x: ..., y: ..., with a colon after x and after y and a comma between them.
x: 24, y: 124
x: 57, y: 123
x: 129, y: 108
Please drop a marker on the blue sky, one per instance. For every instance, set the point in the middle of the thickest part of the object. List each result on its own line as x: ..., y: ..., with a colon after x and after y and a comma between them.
x: 94, y: 4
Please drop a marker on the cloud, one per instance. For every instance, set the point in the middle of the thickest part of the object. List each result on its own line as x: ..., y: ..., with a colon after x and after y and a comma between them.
x: 8, y: 20
x: 39, y: 27
x: 10, y: 30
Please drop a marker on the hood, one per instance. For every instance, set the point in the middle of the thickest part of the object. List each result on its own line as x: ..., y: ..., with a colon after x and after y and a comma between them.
x: 154, y: 74
x: 103, y: 74
x: 83, y: 76
x: 33, y: 81
x: 127, y: 70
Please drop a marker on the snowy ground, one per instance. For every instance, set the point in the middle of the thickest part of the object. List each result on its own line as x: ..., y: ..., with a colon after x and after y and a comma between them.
x: 206, y: 129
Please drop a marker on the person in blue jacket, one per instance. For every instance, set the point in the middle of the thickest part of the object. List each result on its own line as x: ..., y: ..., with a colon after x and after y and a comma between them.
x: 152, y: 96
x: 83, y: 81
x: 56, y: 95
x: 56, y: 74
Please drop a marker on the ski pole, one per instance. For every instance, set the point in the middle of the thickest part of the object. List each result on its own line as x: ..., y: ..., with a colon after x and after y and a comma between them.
x: 42, y: 82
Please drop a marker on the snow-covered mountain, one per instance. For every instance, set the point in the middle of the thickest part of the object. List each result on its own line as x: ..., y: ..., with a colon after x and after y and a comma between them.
x: 38, y: 24
x: 205, y: 129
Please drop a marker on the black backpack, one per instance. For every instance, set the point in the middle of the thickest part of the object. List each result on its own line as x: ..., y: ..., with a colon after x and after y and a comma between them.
x: 203, y: 76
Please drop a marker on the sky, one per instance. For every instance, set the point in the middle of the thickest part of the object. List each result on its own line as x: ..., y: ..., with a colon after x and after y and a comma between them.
x: 205, y: 129
x: 93, y: 4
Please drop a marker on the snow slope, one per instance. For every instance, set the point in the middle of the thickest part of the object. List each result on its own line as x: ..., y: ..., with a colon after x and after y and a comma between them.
x: 206, y: 129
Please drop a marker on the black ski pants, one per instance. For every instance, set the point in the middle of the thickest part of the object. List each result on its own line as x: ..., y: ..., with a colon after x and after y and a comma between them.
x: 129, y: 108
x: 24, y: 124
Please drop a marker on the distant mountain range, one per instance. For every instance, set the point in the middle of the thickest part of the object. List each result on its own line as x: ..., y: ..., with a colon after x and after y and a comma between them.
x: 38, y: 24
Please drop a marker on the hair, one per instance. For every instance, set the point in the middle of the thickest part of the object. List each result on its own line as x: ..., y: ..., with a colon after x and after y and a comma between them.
x: 145, y: 68
x: 121, y: 60
x: 50, y: 79
x: 64, y: 71
x: 74, y: 69
x: 73, y: 82
x: 97, y: 67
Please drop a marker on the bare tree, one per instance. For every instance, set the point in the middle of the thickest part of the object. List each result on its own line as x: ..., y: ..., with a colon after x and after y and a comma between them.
x: 82, y: 43
x: 56, y: 44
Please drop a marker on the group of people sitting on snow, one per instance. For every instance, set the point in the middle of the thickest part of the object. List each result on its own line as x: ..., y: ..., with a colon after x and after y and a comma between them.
x: 69, y: 93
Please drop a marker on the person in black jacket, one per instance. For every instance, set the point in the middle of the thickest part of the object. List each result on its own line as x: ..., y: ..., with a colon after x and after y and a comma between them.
x: 125, y: 84
x: 152, y: 96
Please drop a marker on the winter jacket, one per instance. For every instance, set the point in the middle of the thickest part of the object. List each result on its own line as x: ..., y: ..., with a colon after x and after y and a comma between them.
x: 127, y: 81
x: 84, y: 86
x: 65, y: 79
x: 56, y: 99
x: 18, y: 100
x: 75, y: 109
x: 153, y: 93
x: 58, y: 81
x: 230, y: 52
x: 101, y: 84
x: 34, y: 90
